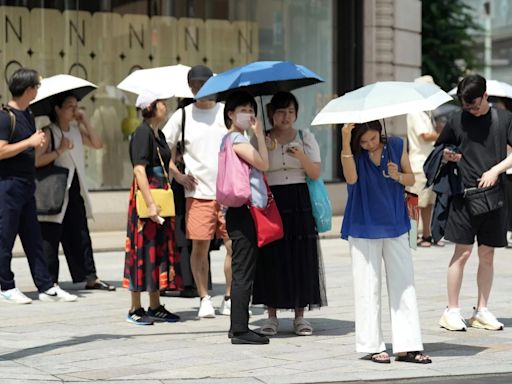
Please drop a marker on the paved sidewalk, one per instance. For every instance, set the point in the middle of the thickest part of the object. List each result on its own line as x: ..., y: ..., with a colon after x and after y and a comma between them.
x: 90, y: 341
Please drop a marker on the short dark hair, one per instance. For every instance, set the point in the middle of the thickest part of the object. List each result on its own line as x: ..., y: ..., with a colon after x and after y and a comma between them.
x: 236, y: 99
x: 150, y: 110
x: 360, y: 130
x: 22, y: 79
x: 281, y: 100
x: 57, y: 101
x: 471, y: 87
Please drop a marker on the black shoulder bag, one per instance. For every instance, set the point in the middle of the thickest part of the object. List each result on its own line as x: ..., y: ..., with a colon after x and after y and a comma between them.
x: 51, y: 185
x: 484, y: 200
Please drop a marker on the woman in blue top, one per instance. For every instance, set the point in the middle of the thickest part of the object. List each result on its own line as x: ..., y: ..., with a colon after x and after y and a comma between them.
x: 240, y: 116
x: 376, y: 225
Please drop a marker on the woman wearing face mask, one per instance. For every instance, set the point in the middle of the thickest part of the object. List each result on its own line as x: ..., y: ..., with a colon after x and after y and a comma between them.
x: 376, y: 225
x: 152, y: 261
x: 289, y: 273
x: 66, y: 136
x: 240, y: 115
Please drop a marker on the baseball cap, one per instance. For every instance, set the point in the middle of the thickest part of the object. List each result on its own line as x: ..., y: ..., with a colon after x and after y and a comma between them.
x: 147, y: 97
x: 199, y: 72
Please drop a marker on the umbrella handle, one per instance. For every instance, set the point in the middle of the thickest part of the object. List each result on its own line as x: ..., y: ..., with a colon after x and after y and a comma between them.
x: 386, y: 175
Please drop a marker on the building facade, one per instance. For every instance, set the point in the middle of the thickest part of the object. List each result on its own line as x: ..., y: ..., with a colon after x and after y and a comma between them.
x: 348, y: 43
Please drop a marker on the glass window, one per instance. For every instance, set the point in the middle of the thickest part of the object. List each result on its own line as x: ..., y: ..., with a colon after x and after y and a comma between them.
x: 105, y: 41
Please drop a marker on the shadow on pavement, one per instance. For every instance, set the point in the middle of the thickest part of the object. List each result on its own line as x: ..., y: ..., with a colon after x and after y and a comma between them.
x: 449, y: 349
x: 83, y: 340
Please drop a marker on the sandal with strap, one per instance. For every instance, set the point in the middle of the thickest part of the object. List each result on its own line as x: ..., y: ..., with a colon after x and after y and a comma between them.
x: 425, y: 242
x: 414, y: 357
x: 270, y: 327
x: 101, y: 285
x: 379, y: 357
x: 302, y: 327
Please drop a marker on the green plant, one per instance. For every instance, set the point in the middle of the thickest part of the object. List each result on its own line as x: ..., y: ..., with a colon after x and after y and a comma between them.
x: 448, y: 41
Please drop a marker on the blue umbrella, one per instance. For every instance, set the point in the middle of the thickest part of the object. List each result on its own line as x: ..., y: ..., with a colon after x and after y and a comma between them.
x: 259, y: 78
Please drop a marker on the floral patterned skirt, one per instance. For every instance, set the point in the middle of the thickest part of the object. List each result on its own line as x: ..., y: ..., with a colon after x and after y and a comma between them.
x: 152, y: 259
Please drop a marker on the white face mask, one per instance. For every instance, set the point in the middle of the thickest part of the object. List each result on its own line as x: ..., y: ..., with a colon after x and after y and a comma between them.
x: 243, y: 120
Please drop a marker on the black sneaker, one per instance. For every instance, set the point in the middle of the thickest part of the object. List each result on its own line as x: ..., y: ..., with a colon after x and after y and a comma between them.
x: 162, y: 315
x: 139, y: 317
x: 249, y: 337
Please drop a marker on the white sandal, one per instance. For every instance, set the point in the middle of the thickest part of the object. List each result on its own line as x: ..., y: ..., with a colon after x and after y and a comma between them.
x: 302, y: 327
x: 270, y: 326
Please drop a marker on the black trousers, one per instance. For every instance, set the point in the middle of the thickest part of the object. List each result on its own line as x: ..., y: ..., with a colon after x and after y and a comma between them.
x: 74, y: 236
x: 242, y: 233
x: 18, y: 216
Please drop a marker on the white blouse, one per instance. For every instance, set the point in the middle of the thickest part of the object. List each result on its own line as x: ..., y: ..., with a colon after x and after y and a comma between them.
x: 284, y: 168
x: 72, y: 159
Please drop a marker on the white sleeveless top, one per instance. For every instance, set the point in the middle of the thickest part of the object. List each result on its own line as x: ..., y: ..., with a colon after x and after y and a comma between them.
x: 72, y: 159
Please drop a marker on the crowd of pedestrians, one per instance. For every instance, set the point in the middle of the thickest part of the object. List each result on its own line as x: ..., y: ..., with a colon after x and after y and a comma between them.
x: 468, y: 158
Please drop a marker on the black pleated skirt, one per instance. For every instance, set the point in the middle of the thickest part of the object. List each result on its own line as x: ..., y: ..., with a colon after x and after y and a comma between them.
x: 289, y: 272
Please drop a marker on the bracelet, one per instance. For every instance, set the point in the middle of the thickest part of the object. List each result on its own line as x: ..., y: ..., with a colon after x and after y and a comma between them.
x: 347, y: 156
x: 400, y: 178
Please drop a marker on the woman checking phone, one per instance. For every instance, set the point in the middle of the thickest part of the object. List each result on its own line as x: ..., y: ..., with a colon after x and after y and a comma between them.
x: 289, y: 274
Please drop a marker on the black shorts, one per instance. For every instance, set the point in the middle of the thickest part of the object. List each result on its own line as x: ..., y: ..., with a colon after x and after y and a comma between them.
x: 461, y: 228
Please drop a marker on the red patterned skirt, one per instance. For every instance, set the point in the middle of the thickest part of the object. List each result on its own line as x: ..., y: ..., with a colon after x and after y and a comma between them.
x: 152, y: 259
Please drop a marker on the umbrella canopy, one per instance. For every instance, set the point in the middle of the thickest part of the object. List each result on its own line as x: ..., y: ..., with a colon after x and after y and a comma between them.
x: 259, y: 78
x: 52, y: 86
x: 170, y: 80
x: 380, y: 100
x: 445, y: 110
x: 494, y: 88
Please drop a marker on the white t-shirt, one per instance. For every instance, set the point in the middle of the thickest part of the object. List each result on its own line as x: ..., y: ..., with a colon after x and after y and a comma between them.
x: 417, y: 124
x: 204, y: 130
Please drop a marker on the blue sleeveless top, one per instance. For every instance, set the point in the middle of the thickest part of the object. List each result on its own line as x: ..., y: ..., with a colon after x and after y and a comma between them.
x: 376, y: 205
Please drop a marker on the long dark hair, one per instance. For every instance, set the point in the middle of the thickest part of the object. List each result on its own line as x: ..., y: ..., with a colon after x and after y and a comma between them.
x: 360, y: 130
x: 57, y: 101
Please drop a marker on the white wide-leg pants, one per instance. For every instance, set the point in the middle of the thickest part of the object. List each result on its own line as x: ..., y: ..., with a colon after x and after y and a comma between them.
x: 367, y: 256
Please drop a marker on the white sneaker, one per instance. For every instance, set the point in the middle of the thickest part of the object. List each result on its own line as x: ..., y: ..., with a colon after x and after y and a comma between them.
x: 15, y: 296
x: 225, y: 308
x: 484, y: 319
x: 56, y: 293
x: 452, y: 320
x: 206, y: 308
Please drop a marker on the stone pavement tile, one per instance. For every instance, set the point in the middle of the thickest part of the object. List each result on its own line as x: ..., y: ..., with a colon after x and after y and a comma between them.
x: 62, y: 340
x: 320, y: 376
x: 236, y: 380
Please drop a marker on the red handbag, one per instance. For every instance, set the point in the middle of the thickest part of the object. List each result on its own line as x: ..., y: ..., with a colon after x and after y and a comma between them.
x: 268, y: 223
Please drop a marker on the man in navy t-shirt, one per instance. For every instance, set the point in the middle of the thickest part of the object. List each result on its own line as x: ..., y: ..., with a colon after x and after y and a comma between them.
x: 18, y: 140
x: 481, y: 134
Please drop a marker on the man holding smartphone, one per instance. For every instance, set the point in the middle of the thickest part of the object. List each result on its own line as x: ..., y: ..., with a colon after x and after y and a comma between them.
x: 480, y: 133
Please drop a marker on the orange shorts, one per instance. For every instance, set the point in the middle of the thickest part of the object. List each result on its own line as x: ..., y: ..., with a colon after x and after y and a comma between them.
x: 205, y: 220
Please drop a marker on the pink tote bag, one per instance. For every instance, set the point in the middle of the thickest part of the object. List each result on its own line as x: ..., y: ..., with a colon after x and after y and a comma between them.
x: 233, y: 186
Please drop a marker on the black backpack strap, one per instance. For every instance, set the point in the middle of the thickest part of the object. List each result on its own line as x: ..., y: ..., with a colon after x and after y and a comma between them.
x: 183, y: 120
x: 12, y: 118
x: 500, y: 141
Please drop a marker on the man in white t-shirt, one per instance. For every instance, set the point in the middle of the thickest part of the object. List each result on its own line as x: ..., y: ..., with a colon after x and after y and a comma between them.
x: 421, y: 135
x: 204, y: 130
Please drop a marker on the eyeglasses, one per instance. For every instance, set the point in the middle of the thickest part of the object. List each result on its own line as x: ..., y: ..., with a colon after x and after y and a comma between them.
x: 473, y: 107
